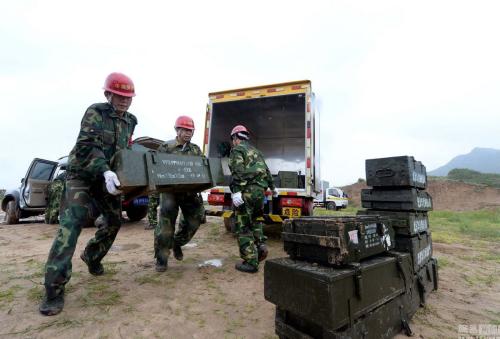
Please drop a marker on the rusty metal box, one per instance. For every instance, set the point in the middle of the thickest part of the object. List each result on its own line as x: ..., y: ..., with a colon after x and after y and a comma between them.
x: 337, y: 240
x: 403, y: 223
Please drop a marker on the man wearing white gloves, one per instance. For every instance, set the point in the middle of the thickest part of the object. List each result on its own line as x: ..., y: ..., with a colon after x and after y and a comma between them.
x: 106, y: 128
x: 250, y: 179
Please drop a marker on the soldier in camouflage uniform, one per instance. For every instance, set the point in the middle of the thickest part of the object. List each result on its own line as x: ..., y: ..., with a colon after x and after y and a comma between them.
x: 154, y: 201
x: 54, y: 196
x: 106, y: 128
x: 250, y: 179
x: 191, y: 204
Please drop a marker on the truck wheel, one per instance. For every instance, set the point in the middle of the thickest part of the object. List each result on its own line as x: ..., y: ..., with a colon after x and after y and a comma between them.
x: 136, y: 213
x: 12, y: 213
x: 230, y: 224
x: 331, y: 206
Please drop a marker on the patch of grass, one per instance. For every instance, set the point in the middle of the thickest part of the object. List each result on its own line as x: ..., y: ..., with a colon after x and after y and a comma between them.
x: 100, y: 294
x: 151, y: 278
x: 451, y: 226
x: 8, y: 295
x: 58, y: 323
x: 350, y: 210
x: 35, y: 294
x: 214, y: 231
x: 36, y: 270
x: 443, y: 262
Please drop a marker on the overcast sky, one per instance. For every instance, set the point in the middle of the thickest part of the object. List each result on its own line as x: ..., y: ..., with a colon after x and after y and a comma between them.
x: 419, y: 78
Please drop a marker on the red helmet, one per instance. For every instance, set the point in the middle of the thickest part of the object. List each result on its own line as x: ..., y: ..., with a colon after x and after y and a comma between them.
x: 239, y: 129
x: 184, y: 122
x: 120, y: 84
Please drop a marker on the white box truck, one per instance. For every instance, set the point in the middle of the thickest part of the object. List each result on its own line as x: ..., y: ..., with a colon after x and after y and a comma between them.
x: 284, y: 126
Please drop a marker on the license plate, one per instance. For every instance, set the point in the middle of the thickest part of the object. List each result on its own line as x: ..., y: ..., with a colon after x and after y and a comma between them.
x: 291, y: 212
x: 142, y: 201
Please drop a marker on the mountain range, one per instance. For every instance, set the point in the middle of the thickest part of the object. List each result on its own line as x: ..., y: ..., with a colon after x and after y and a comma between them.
x: 484, y: 160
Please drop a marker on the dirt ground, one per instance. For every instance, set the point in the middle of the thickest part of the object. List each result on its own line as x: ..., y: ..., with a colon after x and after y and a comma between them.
x: 446, y: 195
x: 131, y: 300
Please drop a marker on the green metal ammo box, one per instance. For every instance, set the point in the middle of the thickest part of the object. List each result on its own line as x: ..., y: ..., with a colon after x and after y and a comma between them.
x: 336, y: 240
x: 288, y: 179
x: 384, y: 322
x: 403, y: 223
x: 332, y: 297
x: 402, y: 171
x: 409, y: 199
x: 143, y: 172
x: 419, y: 247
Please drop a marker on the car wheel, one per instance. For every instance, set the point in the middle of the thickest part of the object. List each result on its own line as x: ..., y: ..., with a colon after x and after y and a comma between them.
x: 12, y: 213
x: 331, y: 206
x: 136, y: 213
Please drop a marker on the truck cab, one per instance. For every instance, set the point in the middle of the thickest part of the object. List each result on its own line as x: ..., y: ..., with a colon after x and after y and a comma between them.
x: 283, y: 125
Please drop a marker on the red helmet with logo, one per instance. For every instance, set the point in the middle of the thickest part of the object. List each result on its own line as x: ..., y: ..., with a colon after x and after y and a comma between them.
x: 184, y: 122
x: 239, y: 129
x: 120, y: 84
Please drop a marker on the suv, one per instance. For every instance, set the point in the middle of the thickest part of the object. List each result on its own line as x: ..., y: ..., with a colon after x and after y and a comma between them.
x: 31, y: 198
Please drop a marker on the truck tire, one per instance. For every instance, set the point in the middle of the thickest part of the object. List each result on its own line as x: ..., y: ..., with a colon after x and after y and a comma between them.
x: 12, y: 213
x: 136, y: 213
x: 230, y: 224
x: 331, y: 206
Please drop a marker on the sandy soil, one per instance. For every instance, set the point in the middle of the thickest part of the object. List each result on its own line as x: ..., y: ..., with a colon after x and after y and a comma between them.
x: 188, y: 301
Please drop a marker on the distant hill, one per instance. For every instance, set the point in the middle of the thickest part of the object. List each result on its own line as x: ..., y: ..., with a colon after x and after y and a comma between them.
x: 484, y: 160
x: 474, y: 177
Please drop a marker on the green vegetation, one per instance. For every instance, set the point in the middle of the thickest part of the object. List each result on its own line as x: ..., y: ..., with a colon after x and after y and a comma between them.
x: 350, y: 210
x: 474, y: 177
x: 451, y: 226
x: 2, y: 193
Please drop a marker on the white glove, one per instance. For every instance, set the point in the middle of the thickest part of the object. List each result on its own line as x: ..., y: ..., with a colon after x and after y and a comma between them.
x: 112, y: 182
x: 237, y: 199
x: 275, y: 193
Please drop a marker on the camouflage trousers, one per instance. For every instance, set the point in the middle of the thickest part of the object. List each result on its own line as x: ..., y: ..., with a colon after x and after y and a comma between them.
x: 193, y: 212
x: 54, y: 196
x: 250, y: 231
x: 78, y: 195
x: 154, y: 201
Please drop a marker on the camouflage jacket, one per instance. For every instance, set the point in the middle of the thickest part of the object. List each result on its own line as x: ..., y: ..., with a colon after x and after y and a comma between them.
x: 102, y: 133
x: 175, y: 147
x: 248, y: 167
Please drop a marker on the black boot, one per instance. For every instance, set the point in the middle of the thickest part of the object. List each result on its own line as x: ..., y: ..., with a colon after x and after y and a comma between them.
x: 246, y: 267
x: 53, y: 302
x: 262, y: 252
x: 178, y: 252
x: 94, y: 268
x: 161, y: 265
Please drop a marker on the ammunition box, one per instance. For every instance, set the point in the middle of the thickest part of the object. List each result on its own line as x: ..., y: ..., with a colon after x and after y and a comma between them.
x: 427, y: 280
x: 403, y: 223
x: 334, y: 297
x: 288, y: 179
x: 144, y: 172
x: 383, y: 322
x: 337, y: 240
x: 409, y: 199
x: 419, y: 247
x: 401, y: 171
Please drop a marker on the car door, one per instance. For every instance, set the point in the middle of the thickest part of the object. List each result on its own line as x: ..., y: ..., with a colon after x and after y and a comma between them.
x: 34, y: 188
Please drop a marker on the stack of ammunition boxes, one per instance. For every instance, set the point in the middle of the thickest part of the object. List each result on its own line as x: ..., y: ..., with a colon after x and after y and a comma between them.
x: 399, y: 194
x: 341, y: 279
x: 352, y: 277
